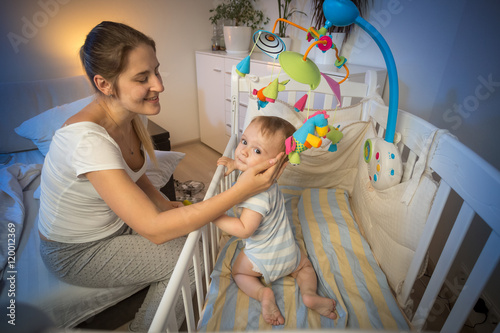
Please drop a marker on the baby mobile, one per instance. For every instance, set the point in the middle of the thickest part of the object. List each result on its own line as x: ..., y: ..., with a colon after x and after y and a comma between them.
x: 381, y: 155
x: 301, y: 69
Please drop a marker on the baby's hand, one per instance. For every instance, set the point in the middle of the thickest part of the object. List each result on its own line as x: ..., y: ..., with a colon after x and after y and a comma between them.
x: 228, y: 163
x: 176, y: 204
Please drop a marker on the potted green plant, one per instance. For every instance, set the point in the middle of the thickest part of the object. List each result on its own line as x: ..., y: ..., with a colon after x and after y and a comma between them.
x: 240, y: 18
x: 339, y: 34
x: 285, y: 11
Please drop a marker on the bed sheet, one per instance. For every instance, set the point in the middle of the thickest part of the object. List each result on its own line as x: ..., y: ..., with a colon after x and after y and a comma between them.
x: 24, y: 157
x: 347, y: 272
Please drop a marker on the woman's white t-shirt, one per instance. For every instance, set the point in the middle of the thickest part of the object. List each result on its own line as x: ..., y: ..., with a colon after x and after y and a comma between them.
x: 71, y: 210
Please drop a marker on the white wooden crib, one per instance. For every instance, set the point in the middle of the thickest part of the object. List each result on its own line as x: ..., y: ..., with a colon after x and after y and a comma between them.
x: 435, y: 163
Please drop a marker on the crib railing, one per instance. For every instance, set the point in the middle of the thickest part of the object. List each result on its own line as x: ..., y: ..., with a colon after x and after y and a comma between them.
x: 469, y: 177
x: 481, y: 196
x: 209, y: 237
x: 477, y: 183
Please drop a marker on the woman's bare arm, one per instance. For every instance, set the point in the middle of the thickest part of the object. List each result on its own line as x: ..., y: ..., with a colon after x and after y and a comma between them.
x: 136, y: 209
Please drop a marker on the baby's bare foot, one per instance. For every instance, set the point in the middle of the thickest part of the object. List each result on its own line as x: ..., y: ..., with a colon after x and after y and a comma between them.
x: 322, y: 305
x: 270, y: 311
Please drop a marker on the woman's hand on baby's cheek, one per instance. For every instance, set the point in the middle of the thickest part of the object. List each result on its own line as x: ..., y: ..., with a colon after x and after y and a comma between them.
x: 260, y: 177
x: 279, y: 164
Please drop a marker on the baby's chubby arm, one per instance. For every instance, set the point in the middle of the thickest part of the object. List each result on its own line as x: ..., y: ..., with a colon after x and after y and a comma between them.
x: 242, y: 227
x: 228, y: 163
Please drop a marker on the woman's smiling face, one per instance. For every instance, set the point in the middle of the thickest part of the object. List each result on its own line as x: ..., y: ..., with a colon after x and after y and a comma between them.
x: 139, y: 85
x: 255, y: 148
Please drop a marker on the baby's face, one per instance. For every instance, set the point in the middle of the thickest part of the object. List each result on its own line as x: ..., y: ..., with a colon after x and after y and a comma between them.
x: 255, y: 148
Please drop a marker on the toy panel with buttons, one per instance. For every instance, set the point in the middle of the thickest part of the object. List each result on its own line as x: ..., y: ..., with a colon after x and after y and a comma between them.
x: 384, y: 163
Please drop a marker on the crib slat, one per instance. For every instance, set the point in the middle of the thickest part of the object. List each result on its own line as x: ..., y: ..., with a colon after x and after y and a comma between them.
x: 217, y: 237
x: 292, y: 95
x: 410, y: 165
x: 477, y: 280
x: 198, y: 277
x: 346, y: 101
x: 213, y: 243
x: 310, y: 100
x: 171, y: 323
x: 206, y: 254
x: 444, y: 263
x: 328, y: 104
x: 207, y: 232
x: 401, y: 147
x: 380, y: 132
x: 166, y: 308
x: 188, y: 302
x: 425, y: 239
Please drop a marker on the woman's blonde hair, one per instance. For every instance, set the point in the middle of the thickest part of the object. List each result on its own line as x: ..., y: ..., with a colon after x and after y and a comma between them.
x: 105, y: 53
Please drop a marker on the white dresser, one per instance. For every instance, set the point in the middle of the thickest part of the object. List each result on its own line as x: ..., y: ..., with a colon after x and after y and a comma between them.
x: 213, y: 74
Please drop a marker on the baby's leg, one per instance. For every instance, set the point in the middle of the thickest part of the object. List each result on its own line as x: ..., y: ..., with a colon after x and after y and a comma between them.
x: 306, y: 279
x: 248, y: 281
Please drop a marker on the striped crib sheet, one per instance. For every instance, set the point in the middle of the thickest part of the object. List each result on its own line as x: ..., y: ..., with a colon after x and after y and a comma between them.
x: 342, y: 256
x: 321, y: 220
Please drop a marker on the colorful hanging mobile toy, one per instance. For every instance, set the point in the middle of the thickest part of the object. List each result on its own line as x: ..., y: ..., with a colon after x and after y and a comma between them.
x: 382, y: 155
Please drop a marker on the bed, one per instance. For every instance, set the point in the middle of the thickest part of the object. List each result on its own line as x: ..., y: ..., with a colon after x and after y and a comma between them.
x: 368, y: 246
x: 31, y: 112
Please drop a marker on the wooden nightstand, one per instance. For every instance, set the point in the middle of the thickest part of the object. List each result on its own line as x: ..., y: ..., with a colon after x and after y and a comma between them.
x: 161, y: 141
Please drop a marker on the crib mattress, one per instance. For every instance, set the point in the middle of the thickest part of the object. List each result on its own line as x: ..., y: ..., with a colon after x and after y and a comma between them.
x: 346, y: 268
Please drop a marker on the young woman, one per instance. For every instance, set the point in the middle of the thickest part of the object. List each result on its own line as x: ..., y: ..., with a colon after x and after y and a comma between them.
x: 101, y: 221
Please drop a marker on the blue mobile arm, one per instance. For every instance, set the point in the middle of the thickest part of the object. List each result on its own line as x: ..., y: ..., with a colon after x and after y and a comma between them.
x: 342, y: 13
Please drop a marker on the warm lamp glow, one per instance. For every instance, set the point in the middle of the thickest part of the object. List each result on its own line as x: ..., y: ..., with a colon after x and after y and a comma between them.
x: 64, y: 46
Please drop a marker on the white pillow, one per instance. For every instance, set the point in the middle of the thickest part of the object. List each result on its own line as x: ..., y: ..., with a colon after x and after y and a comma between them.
x: 41, y: 128
x: 167, y: 161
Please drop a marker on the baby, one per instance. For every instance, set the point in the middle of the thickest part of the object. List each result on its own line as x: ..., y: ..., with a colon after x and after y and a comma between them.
x: 270, y: 248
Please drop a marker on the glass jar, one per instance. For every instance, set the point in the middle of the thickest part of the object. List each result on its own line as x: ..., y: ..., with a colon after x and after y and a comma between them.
x: 215, y: 44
